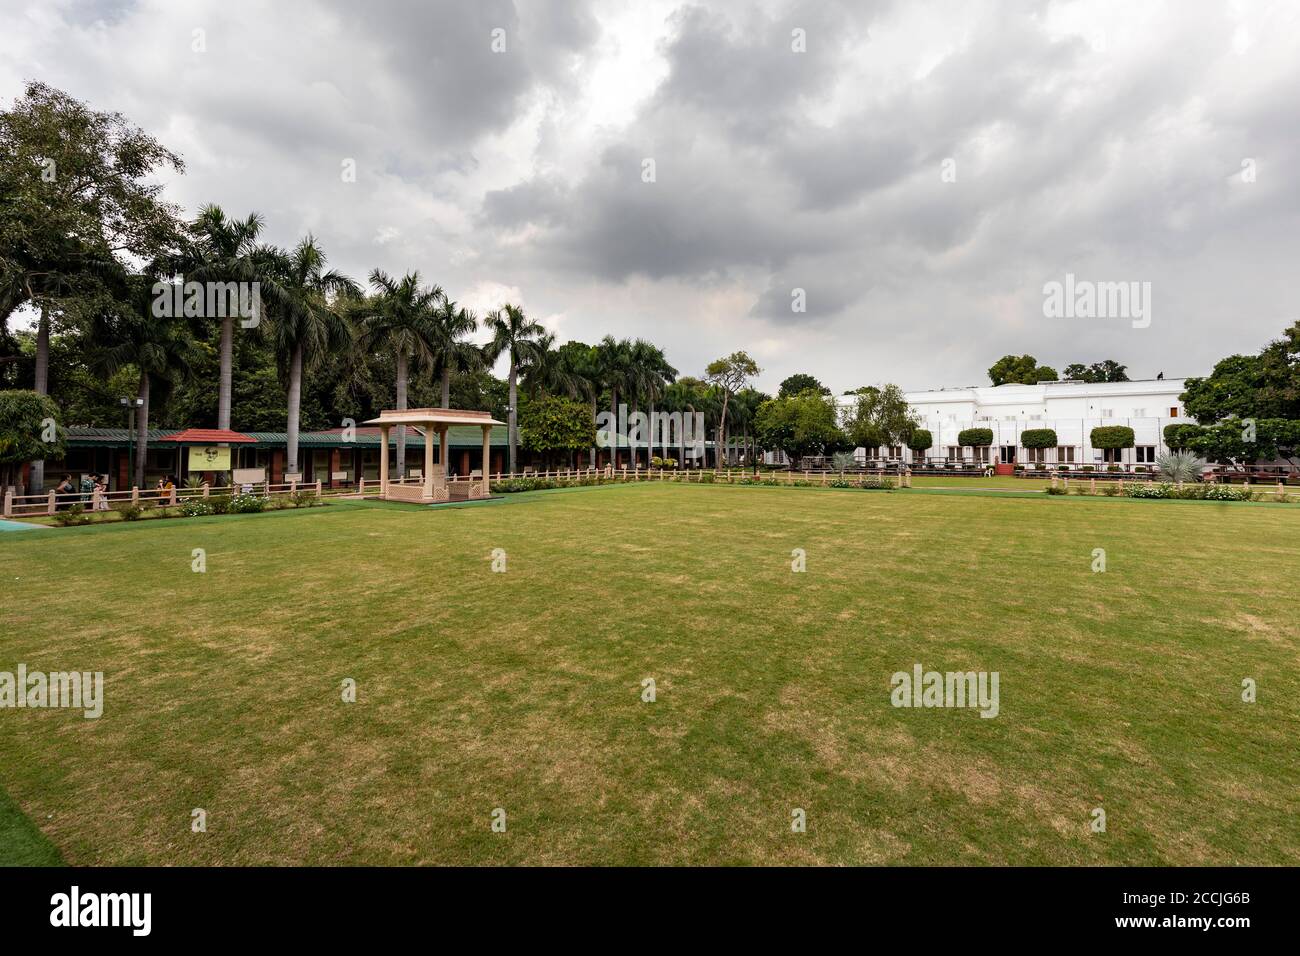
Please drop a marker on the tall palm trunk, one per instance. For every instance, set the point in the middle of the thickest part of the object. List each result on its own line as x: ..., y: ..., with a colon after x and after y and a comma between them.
x: 592, y: 462
x: 226, y: 371
x: 142, y: 429
x: 613, y: 428
x: 651, y: 456
x: 295, y: 408
x: 41, y: 385
x: 401, y: 407
x: 681, y: 436
x: 513, y: 417
x: 446, y: 388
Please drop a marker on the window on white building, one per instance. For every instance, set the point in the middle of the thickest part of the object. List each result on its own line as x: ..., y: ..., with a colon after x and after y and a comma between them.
x: 954, y: 451
x: 1034, y: 455
x: 1108, y: 413
x: 1145, y: 454
x: 1139, y: 413
x: 1065, y: 454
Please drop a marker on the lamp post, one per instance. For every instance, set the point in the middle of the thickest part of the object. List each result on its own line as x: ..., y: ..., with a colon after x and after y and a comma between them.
x: 130, y: 404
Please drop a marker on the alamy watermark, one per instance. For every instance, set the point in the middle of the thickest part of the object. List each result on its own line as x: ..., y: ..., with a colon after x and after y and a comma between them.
x: 669, y: 429
x: 922, y: 688
x: 212, y: 300
x: 73, y: 690
x: 1084, y: 299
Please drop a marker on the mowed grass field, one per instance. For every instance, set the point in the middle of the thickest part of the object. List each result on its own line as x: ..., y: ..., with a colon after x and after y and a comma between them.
x: 523, y: 690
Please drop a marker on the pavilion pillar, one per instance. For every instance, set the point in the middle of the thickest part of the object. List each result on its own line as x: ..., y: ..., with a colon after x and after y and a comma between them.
x: 442, y: 451
x: 428, y: 460
x: 487, y: 456
x: 383, y: 461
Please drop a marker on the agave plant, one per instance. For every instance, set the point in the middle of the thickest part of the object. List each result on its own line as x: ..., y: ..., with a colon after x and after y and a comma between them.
x: 843, y: 460
x: 1179, y: 466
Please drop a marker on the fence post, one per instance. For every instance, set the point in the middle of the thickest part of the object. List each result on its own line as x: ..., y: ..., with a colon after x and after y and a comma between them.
x: 9, y: 502
x: 135, y: 494
x: 1092, y: 486
x: 50, y: 504
x: 293, y: 486
x: 207, y: 490
x: 361, y: 485
x: 171, y: 497
x: 317, y: 487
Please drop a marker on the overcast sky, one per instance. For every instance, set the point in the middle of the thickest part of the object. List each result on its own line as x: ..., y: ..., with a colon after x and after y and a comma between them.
x: 1101, y: 139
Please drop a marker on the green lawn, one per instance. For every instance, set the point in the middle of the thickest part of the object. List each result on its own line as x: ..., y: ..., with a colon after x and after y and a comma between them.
x: 522, y: 690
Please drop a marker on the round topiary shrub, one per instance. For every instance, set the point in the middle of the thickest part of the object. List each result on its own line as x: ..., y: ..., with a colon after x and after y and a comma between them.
x: 975, y: 437
x: 1038, y: 438
x: 1112, y: 437
x: 921, y: 440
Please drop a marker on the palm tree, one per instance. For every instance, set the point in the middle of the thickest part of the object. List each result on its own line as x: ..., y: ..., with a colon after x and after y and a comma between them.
x: 550, y: 372
x: 613, y: 364
x: 652, y: 375
x: 161, y: 347
x: 308, y: 326
x: 226, y: 250
x: 401, y: 317
x: 451, y: 351
x: 518, y: 335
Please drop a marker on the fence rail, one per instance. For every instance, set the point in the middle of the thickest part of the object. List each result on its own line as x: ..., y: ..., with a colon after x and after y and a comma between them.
x: 50, y: 503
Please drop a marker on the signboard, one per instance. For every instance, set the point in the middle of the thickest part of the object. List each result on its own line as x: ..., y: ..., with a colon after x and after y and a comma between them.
x: 209, y: 458
x: 249, y: 476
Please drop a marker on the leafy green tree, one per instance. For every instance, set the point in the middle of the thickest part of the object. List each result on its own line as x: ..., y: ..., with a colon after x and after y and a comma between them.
x: 1112, y: 437
x: 880, y: 416
x: 159, y: 348
x: 1038, y: 438
x: 730, y: 373
x: 25, y: 426
x: 552, y: 424
x: 1260, y: 386
x: 1106, y: 371
x: 975, y: 437
x: 920, y: 440
x: 799, y: 425
x: 801, y: 382
x: 518, y: 337
x: 1020, y: 370
x: 79, y: 198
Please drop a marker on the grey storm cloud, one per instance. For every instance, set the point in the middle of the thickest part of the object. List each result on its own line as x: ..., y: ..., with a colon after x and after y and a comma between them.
x: 1107, y: 142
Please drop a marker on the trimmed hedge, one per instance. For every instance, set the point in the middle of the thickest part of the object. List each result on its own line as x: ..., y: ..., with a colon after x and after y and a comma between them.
x: 921, y: 440
x: 1112, y: 437
x: 1038, y: 438
x: 975, y: 437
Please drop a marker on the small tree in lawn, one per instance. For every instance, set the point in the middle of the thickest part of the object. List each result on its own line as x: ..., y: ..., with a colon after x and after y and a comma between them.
x: 28, y: 432
x: 799, y: 425
x: 921, y: 440
x: 975, y: 437
x: 552, y: 424
x: 1036, y: 438
x: 1112, y: 438
x: 880, y: 416
x: 730, y: 374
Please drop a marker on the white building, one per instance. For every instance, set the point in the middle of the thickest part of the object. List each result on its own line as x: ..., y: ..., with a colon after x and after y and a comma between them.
x: 1071, y: 409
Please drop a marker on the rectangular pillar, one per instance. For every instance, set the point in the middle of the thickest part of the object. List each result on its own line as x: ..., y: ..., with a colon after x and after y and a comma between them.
x: 487, y: 455
x: 383, y: 460
x: 428, y: 461
x: 442, y: 452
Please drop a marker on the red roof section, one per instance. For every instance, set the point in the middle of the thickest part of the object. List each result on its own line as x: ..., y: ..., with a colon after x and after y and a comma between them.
x: 210, y: 436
